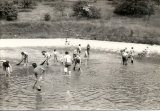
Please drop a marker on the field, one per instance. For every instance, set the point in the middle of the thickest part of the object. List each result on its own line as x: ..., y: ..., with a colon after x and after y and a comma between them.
x: 110, y: 27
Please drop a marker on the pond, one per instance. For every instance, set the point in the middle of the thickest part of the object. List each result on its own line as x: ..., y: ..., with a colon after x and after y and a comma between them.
x: 103, y: 83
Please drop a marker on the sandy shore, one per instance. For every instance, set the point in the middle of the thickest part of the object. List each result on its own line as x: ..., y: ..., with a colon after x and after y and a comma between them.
x: 100, y: 45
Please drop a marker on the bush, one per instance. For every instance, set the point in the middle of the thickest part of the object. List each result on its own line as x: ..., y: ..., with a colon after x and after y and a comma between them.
x: 47, y: 17
x: 27, y: 3
x: 8, y: 11
x: 83, y: 9
x: 134, y: 8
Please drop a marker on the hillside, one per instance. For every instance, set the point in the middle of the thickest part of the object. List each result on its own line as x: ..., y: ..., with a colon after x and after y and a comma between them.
x: 112, y: 27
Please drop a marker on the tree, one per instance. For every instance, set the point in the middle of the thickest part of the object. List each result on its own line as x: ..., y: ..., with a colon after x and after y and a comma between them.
x: 84, y: 9
x: 135, y: 8
x: 27, y: 3
x: 8, y: 11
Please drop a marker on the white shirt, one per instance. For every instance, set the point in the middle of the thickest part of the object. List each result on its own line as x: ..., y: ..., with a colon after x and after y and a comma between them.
x: 55, y: 53
x: 79, y: 47
x: 124, y: 54
x: 47, y: 55
x: 67, y: 58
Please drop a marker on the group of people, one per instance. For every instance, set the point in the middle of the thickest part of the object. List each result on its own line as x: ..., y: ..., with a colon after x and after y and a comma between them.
x: 129, y: 54
x: 67, y: 60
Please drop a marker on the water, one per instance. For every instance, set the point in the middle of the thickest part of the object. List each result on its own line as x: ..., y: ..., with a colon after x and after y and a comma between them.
x: 104, y: 83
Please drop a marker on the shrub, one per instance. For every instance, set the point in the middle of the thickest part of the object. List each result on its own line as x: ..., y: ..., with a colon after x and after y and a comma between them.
x: 83, y: 9
x: 134, y: 8
x: 27, y: 3
x: 47, y: 17
x: 8, y: 11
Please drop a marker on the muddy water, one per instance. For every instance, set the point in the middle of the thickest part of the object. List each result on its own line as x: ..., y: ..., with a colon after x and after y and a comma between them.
x: 103, y: 83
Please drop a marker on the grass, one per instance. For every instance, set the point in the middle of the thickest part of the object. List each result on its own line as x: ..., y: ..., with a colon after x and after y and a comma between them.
x: 110, y: 27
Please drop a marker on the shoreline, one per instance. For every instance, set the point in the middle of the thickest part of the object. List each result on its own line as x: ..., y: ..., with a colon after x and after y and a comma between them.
x: 95, y: 44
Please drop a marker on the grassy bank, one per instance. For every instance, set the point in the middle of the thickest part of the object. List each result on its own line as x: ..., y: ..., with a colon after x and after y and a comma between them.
x: 110, y: 31
x: 110, y: 27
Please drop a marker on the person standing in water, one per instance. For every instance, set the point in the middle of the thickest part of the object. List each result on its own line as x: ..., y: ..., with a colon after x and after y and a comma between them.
x: 131, y: 54
x: 47, y: 55
x: 24, y: 59
x: 124, y: 56
x: 79, y: 49
x: 55, y: 55
x: 88, y: 49
x: 74, y: 54
x: 67, y: 63
x: 38, y: 72
x: 7, y: 68
x: 77, y: 62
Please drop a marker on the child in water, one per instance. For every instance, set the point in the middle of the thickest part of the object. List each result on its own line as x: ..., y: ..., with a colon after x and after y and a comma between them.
x: 38, y: 72
x: 24, y: 59
x: 55, y: 55
x: 67, y: 63
x: 7, y: 68
x: 47, y: 55
x: 77, y: 62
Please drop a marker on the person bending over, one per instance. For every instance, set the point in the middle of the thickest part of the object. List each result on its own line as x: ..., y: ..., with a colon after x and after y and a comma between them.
x: 7, y: 68
x: 24, y: 59
x: 47, y: 55
x: 38, y: 72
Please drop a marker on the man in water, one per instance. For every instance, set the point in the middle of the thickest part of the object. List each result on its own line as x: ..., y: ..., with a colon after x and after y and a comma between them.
x: 47, y: 55
x: 77, y: 62
x: 38, y: 72
x: 24, y: 59
x: 88, y: 49
x: 67, y: 63
x: 79, y: 49
x: 131, y: 54
x: 74, y: 53
x: 7, y: 68
x: 124, y: 57
x: 55, y: 55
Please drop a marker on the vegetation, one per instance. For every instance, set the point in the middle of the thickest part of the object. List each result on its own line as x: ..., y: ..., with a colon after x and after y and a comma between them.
x: 8, y: 11
x: 135, y: 8
x: 27, y: 3
x: 47, y: 17
x: 110, y: 26
x: 83, y: 9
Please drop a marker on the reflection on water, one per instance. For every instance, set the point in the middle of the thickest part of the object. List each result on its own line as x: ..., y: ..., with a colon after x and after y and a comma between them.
x: 103, y: 83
